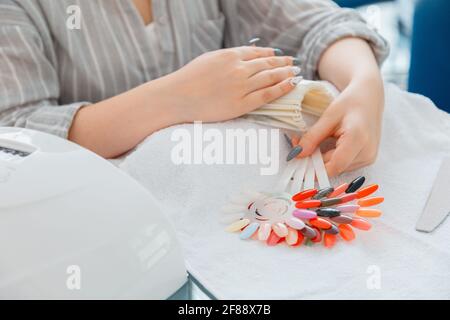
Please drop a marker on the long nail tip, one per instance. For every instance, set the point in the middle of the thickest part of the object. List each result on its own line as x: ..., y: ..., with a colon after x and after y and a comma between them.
x: 294, y: 153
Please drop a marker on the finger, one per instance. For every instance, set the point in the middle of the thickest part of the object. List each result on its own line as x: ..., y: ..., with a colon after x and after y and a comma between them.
x: 321, y: 130
x: 343, y: 156
x: 269, y: 78
x: 261, y: 64
x: 327, y: 155
x: 258, y: 98
x: 295, y: 140
x: 250, y: 52
x: 356, y: 166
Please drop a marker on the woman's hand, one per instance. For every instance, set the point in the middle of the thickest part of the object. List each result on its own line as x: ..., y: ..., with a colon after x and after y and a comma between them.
x: 216, y: 86
x: 228, y: 83
x: 355, y: 117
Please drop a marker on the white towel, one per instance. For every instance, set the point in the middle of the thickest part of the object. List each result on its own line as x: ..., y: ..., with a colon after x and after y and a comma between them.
x: 390, y: 261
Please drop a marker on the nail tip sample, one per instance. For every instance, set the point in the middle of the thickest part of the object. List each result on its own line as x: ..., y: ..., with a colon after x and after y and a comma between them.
x: 294, y: 153
x: 278, y: 52
x: 355, y: 184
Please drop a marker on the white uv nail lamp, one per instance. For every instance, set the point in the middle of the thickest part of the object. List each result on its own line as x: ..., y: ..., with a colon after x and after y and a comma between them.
x: 73, y: 226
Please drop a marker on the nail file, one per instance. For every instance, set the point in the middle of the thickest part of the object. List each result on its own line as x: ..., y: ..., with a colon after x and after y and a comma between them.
x: 299, y: 175
x: 309, y: 177
x: 438, y: 204
x: 319, y: 167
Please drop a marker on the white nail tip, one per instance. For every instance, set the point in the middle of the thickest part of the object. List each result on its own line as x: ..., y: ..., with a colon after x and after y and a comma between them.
x: 296, y: 70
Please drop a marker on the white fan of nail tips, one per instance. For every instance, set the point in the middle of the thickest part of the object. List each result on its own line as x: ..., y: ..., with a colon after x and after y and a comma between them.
x: 256, y: 214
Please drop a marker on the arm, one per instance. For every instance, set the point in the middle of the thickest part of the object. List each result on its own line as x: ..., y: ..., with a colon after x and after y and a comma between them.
x: 242, y: 80
x: 354, y: 118
x: 334, y: 44
x: 216, y: 86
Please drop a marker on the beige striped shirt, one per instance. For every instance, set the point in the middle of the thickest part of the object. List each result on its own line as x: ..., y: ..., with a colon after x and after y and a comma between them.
x: 49, y: 67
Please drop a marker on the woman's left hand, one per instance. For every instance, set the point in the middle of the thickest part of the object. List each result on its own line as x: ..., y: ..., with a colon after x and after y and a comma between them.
x: 354, y: 119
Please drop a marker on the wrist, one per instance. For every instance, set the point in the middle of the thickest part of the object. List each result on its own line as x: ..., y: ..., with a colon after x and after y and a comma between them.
x: 162, y: 96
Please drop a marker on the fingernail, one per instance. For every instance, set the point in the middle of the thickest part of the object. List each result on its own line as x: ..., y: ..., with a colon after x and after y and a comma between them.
x: 278, y: 52
x: 253, y: 41
x: 295, y: 81
x: 289, y: 141
x: 294, y: 152
x: 296, y: 61
x: 296, y: 70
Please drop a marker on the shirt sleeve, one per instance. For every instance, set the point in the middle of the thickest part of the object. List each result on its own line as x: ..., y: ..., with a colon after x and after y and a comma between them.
x: 29, y: 85
x: 306, y: 28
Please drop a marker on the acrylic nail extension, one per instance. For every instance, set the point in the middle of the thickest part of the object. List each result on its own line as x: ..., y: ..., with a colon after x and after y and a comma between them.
x: 278, y: 52
x: 253, y: 41
x: 295, y: 81
x: 294, y: 152
x: 296, y: 70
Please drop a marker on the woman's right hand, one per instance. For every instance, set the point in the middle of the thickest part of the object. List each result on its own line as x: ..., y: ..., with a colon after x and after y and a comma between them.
x: 225, y: 84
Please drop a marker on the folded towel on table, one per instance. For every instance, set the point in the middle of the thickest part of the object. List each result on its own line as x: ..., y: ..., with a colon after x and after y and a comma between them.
x: 391, y: 261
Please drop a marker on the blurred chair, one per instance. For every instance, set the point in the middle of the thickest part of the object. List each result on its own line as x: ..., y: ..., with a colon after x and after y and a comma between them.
x: 357, y: 3
x: 430, y: 52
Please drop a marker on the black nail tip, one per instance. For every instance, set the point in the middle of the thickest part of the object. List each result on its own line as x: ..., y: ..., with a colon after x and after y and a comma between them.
x: 355, y: 184
x: 322, y: 193
x: 289, y: 141
x: 294, y: 152
x: 278, y: 52
x: 328, y: 212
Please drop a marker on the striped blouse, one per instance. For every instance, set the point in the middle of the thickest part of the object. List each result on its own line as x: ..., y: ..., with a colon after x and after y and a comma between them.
x: 59, y: 55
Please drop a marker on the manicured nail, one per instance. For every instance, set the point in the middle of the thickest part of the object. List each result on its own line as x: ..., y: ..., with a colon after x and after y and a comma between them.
x: 294, y: 152
x: 296, y: 70
x: 289, y: 141
x: 253, y: 41
x: 278, y: 52
x: 295, y: 81
x: 296, y: 61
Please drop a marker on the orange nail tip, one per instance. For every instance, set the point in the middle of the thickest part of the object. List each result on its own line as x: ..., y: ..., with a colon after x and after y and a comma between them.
x: 369, y: 213
x: 329, y: 240
x: 360, y: 224
x: 273, y: 239
x: 367, y: 191
x: 346, y: 232
x: 303, y: 195
x: 339, y: 190
x: 368, y: 202
x: 308, y: 204
x: 348, y: 197
x: 320, y: 223
x: 300, y: 239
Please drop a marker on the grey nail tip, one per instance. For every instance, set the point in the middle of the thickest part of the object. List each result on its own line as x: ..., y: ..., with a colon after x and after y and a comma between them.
x: 295, y: 81
x: 294, y: 152
x: 278, y: 52
x: 296, y: 62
